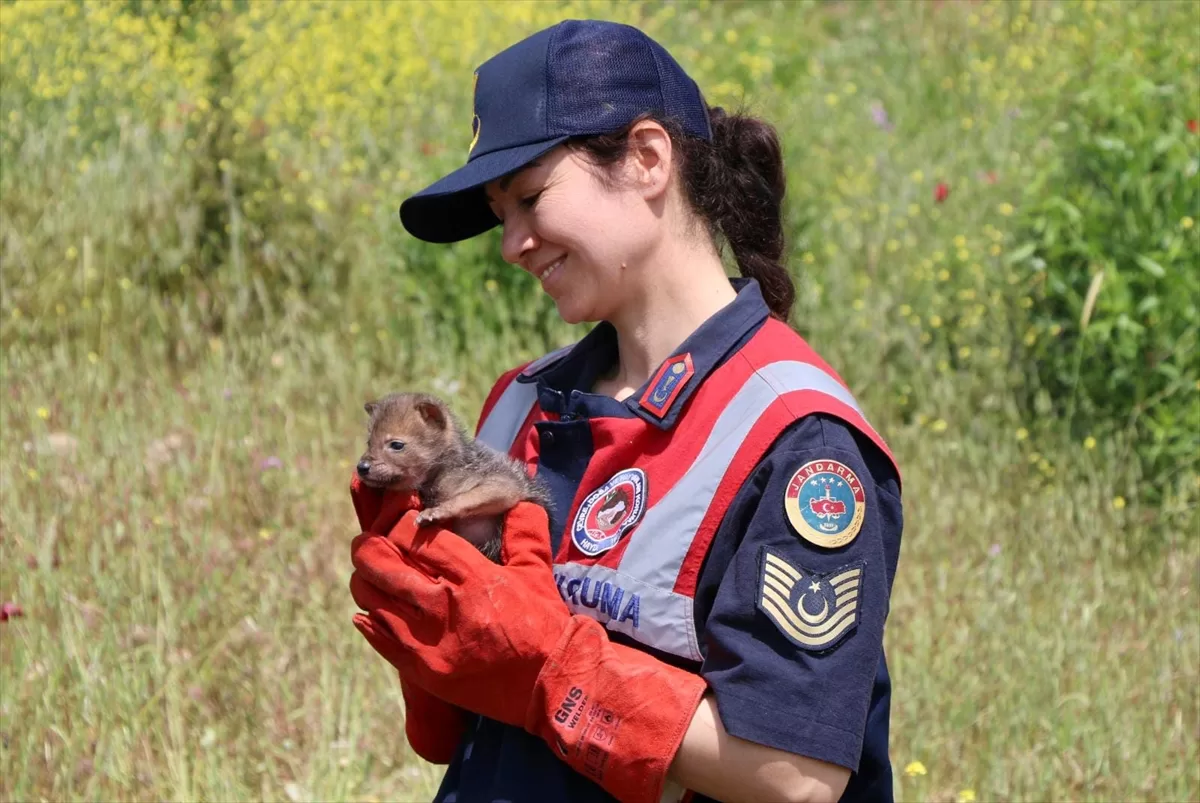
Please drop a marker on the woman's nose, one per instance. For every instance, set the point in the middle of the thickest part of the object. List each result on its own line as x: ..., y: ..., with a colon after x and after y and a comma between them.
x: 517, y: 241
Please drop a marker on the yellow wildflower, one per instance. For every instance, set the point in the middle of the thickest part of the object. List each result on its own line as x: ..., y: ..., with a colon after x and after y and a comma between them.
x: 43, y: 413
x: 939, y: 426
x: 1187, y: 223
x: 914, y: 768
x: 1005, y: 209
x: 1089, y: 443
x: 1118, y: 503
x: 965, y: 796
x: 1022, y: 434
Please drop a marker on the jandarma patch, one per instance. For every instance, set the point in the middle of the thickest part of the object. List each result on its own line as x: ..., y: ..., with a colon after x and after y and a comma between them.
x: 814, y: 611
x: 609, y: 512
x: 825, y: 503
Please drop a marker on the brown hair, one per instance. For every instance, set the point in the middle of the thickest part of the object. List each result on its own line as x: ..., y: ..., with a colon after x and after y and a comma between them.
x: 735, y: 184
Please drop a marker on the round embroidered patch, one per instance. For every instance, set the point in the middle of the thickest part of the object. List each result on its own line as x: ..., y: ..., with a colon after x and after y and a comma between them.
x: 825, y: 503
x: 609, y: 512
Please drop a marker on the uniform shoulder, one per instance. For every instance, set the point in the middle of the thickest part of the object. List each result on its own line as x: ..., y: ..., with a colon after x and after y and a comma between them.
x: 820, y: 433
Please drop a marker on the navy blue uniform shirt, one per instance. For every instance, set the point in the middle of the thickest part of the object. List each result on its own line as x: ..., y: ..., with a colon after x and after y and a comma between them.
x: 829, y: 703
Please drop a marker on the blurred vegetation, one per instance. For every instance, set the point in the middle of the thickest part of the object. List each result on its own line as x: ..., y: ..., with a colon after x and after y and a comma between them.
x: 190, y: 168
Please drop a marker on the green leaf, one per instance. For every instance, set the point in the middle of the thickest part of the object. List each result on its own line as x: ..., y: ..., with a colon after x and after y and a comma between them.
x: 1022, y: 253
x: 1150, y: 266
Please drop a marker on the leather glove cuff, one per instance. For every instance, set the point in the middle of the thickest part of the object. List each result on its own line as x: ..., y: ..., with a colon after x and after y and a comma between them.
x: 613, y: 713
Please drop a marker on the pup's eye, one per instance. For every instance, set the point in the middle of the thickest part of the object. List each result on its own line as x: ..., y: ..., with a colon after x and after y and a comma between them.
x: 395, y: 446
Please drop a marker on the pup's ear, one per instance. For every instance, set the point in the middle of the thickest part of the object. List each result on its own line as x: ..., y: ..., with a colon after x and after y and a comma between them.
x: 371, y: 407
x: 432, y: 413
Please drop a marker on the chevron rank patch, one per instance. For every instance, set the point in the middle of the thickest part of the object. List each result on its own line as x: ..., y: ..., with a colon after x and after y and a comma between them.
x: 814, y: 611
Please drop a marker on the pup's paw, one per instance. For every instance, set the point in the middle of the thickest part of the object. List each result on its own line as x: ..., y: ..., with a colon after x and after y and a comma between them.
x: 427, y: 517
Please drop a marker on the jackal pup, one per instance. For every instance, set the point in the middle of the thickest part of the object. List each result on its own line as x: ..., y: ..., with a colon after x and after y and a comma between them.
x: 414, y: 443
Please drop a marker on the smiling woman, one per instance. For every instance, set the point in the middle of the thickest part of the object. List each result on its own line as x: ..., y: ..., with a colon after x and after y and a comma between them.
x: 699, y: 612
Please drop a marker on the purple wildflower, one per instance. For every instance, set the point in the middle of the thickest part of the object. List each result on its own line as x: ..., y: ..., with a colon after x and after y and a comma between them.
x: 270, y: 463
x: 880, y: 116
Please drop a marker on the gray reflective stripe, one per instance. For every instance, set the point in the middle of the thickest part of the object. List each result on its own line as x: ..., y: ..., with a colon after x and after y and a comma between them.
x: 546, y: 359
x: 500, y: 428
x: 661, y: 541
x: 663, y: 618
x: 672, y: 793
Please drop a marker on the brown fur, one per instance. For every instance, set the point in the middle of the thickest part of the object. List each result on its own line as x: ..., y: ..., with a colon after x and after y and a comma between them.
x: 461, y: 481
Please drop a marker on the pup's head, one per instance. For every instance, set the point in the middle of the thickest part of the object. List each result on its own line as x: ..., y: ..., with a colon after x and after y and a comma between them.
x: 408, y: 436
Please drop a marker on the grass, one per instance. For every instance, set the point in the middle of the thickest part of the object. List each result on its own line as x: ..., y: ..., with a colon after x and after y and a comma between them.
x: 174, y: 517
x: 186, y: 631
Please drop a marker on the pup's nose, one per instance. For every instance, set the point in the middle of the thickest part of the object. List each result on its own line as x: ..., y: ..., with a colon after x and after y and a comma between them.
x: 364, y: 468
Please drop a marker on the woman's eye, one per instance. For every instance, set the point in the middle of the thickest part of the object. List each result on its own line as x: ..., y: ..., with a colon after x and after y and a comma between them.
x: 396, y: 446
x: 528, y: 203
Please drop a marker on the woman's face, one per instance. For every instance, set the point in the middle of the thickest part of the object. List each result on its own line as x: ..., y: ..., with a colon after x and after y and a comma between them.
x: 562, y: 225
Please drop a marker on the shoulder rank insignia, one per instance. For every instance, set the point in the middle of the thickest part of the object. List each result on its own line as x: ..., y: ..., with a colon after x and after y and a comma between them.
x: 825, y: 503
x: 667, y: 383
x: 814, y: 611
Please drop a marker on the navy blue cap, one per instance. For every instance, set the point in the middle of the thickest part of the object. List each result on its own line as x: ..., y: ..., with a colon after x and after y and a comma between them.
x: 576, y: 78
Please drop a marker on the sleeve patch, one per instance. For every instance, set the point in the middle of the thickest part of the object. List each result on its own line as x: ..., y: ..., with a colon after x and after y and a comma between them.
x: 814, y: 611
x: 825, y: 503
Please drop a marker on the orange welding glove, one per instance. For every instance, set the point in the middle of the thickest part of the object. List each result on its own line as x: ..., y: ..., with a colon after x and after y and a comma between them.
x: 499, y: 640
x: 434, y: 728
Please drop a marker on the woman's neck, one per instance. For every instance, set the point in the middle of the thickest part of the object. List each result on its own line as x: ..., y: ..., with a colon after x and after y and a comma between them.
x: 681, y: 292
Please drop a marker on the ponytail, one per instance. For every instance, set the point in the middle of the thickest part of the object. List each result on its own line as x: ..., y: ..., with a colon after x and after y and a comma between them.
x: 735, y: 184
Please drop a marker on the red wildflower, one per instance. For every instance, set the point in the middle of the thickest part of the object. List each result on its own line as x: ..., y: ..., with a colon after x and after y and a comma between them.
x: 941, y: 192
x: 10, y: 610
x: 1194, y: 126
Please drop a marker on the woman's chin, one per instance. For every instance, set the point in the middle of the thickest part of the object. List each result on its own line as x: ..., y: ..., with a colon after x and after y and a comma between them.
x: 572, y: 313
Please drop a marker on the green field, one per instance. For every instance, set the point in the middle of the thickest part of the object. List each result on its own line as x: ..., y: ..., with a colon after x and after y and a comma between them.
x: 204, y: 277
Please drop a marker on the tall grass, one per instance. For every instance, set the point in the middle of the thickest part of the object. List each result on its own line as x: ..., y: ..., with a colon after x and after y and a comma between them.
x: 180, y: 413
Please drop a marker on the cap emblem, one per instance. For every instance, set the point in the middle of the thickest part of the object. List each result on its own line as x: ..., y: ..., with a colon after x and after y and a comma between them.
x: 476, y: 123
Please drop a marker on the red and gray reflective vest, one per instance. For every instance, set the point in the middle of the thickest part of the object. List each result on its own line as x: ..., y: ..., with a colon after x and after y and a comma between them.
x: 644, y: 585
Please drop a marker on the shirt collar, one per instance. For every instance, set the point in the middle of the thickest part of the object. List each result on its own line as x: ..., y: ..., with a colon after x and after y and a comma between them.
x: 565, y: 377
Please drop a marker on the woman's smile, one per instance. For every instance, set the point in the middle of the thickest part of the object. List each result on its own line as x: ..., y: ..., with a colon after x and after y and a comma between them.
x: 550, y: 272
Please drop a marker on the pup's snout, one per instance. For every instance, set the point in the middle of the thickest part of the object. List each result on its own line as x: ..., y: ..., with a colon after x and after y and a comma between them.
x: 364, y: 468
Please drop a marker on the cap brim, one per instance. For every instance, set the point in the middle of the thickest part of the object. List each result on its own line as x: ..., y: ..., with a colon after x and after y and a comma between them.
x: 455, y: 207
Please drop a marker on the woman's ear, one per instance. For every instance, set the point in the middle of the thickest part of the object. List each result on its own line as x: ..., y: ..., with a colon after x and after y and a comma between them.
x: 651, y: 156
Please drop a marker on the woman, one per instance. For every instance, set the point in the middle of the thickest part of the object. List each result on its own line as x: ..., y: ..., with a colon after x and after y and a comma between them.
x: 722, y: 634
